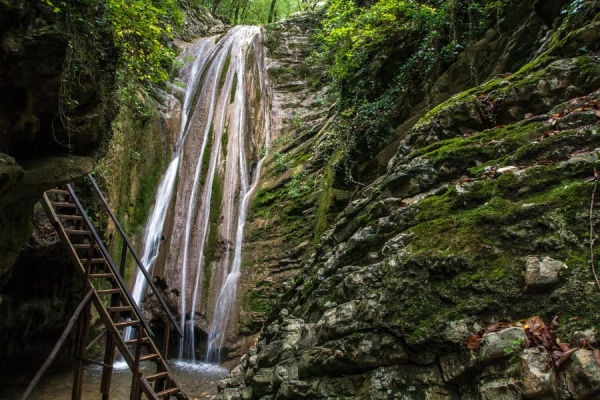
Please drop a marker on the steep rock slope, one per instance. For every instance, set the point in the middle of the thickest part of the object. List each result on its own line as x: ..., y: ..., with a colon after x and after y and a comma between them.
x: 278, y: 228
x: 483, y: 215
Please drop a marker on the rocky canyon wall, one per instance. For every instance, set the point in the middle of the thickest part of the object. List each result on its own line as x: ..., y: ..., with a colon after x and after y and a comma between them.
x: 481, y: 216
x: 55, y: 114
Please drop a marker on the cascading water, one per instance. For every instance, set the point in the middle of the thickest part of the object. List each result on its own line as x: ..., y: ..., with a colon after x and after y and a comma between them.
x: 224, y: 127
x: 153, y: 234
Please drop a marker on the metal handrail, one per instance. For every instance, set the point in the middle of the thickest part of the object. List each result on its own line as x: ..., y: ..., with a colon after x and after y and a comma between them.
x: 127, y: 243
x: 109, y: 260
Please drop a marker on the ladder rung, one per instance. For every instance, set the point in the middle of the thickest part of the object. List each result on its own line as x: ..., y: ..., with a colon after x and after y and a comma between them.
x: 86, y: 246
x: 94, y: 260
x: 125, y: 324
x: 63, y: 204
x: 158, y: 375
x: 167, y: 392
x: 120, y: 309
x: 149, y: 357
x: 77, y: 232
x: 134, y: 341
x: 57, y: 191
x: 106, y: 275
x: 108, y: 291
x: 67, y: 216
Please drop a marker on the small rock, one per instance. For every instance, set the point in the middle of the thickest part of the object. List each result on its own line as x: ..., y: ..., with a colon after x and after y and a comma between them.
x: 540, y: 273
x: 590, y: 336
x: 539, y: 381
x: 582, y: 375
x: 495, y: 343
x: 586, y: 158
x: 231, y: 394
x: 504, y: 170
x: 262, y: 383
x: 503, y: 389
x: 285, y: 371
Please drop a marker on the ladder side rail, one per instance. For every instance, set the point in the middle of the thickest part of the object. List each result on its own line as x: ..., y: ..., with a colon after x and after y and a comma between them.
x: 127, y: 242
x: 109, y: 261
x: 147, y: 389
x: 64, y: 238
x: 112, y: 330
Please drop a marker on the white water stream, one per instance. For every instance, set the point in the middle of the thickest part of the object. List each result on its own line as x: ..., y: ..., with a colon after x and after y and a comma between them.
x: 224, y: 123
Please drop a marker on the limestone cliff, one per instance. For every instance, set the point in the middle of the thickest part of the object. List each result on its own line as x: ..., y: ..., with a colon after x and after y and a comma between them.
x: 482, y: 215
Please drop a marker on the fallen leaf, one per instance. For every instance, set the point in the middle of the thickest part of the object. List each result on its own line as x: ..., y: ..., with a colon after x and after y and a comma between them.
x: 564, y: 357
x: 474, y: 341
x: 563, y: 346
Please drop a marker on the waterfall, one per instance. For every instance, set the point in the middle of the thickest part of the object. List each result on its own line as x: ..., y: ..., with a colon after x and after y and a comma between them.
x: 224, y: 127
x: 153, y: 233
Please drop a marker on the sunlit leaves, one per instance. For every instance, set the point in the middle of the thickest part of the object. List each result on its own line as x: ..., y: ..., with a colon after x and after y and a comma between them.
x: 350, y: 33
x: 141, y: 28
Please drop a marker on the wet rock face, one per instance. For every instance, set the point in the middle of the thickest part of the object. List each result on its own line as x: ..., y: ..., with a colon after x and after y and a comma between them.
x: 197, y: 22
x: 55, y: 112
x: 481, y: 217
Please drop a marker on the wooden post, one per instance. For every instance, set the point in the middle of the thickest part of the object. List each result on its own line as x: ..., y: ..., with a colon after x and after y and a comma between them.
x: 166, y: 338
x: 123, y: 259
x: 82, y: 326
x: 135, y: 371
x: 109, y: 358
x: 58, y: 344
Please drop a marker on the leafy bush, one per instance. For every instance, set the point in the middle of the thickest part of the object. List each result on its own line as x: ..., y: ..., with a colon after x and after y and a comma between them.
x: 383, y: 57
x: 140, y: 31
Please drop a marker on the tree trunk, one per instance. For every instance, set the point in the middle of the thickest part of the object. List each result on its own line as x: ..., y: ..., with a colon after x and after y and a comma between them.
x: 272, y: 11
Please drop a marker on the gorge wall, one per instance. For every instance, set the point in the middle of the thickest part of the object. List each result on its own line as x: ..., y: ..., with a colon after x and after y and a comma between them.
x: 481, y: 216
x: 476, y: 211
x: 55, y: 115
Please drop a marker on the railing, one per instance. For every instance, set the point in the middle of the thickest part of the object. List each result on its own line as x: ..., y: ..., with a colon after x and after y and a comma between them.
x: 108, y: 258
x: 127, y: 247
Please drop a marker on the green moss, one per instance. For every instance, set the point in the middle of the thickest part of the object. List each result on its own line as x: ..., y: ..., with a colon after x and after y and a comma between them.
x: 492, y: 146
x: 224, y: 70
x: 206, y: 157
x: 212, y: 242
x: 224, y: 143
x: 323, y: 201
x: 233, y: 88
x: 260, y: 300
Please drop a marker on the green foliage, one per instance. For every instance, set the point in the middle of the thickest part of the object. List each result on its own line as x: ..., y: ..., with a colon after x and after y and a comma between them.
x: 383, y: 57
x: 300, y: 184
x: 141, y: 29
x: 350, y: 33
x: 513, y: 350
x: 252, y: 12
x: 282, y: 161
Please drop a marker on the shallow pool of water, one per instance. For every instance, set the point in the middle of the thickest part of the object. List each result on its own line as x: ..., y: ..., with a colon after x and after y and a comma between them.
x: 197, y: 379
